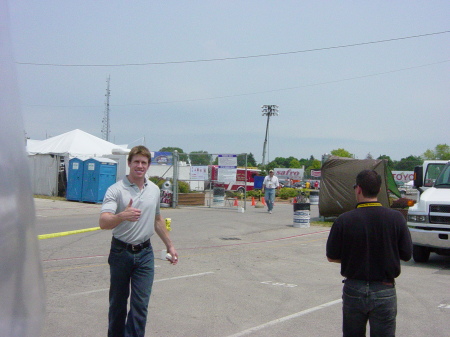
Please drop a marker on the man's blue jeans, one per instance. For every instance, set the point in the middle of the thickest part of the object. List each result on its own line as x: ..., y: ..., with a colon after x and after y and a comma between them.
x: 269, y: 197
x: 372, y: 301
x: 125, y: 268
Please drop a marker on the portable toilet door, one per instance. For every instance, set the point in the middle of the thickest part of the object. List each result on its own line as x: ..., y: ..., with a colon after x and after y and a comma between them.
x: 108, y: 176
x: 99, y: 174
x: 75, y: 179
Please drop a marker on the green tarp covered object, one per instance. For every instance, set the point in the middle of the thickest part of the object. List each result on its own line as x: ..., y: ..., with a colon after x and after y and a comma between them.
x: 336, y: 194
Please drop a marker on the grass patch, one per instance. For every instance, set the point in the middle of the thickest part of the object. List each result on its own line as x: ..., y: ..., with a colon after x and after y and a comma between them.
x: 49, y: 197
x: 322, y: 223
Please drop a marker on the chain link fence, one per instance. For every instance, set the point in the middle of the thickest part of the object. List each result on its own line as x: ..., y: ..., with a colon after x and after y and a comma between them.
x: 197, y: 180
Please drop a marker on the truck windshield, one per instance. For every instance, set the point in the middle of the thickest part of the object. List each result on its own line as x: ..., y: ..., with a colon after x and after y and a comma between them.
x: 433, y: 171
x: 443, y: 180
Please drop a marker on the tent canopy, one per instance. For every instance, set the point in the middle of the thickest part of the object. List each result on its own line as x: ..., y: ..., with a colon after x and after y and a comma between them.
x: 338, y: 177
x: 76, y: 143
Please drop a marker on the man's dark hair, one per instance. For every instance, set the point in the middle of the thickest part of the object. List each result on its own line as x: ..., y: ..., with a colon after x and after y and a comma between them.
x: 370, y: 183
x: 142, y: 150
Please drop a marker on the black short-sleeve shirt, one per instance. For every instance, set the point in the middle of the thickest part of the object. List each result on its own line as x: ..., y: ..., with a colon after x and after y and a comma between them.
x: 370, y: 241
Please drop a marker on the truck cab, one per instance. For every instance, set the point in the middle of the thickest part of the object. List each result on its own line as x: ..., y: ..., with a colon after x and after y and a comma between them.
x: 429, y: 218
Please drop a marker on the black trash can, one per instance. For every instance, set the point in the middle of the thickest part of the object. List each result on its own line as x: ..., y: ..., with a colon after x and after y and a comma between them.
x: 314, y: 197
x: 301, y: 215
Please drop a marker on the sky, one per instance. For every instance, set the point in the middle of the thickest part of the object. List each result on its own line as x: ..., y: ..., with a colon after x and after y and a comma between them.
x: 194, y: 74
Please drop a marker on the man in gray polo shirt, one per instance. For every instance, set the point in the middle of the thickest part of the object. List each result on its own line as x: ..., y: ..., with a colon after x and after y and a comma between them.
x: 131, y: 209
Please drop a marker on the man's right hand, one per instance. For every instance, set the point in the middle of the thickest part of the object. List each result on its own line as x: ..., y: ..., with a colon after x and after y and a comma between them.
x: 130, y: 213
x: 109, y: 220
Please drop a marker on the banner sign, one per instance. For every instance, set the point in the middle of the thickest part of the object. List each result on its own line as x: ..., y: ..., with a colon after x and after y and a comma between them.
x: 162, y: 158
x: 227, y: 168
x: 199, y: 173
x: 289, y: 173
x: 316, y: 173
x: 403, y: 176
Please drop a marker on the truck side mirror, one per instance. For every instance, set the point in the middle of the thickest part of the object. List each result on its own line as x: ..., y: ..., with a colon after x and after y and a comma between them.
x: 418, y: 176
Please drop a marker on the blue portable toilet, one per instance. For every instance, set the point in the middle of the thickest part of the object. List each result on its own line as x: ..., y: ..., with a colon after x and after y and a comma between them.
x: 75, y: 179
x: 98, y: 175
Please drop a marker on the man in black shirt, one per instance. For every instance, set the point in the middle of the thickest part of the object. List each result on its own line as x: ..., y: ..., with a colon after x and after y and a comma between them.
x: 369, y: 242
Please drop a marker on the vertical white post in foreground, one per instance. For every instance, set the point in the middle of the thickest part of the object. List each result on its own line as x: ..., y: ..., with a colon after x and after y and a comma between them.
x: 22, y: 294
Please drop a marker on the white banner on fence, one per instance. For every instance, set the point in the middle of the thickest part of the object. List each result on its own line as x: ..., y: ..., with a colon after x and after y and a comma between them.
x: 199, y: 173
x: 227, y: 168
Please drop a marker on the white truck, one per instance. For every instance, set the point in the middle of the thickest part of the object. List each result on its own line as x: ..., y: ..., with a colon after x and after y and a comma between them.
x: 429, y: 218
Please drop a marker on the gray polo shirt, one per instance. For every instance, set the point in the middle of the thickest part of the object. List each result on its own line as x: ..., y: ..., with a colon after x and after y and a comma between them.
x: 117, y: 198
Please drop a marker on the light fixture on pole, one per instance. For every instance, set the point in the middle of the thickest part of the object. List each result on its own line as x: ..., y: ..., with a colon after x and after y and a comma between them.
x: 268, y: 110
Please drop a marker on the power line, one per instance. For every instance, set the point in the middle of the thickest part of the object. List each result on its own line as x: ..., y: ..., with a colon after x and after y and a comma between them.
x: 233, y: 58
x: 250, y: 93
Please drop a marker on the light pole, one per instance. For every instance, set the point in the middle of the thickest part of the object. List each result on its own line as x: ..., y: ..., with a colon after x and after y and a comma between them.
x: 268, y: 110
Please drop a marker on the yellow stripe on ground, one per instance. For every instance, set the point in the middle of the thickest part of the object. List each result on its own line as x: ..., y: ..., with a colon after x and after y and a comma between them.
x: 56, y: 235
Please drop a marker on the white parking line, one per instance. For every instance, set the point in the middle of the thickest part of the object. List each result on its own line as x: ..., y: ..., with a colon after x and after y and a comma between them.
x: 156, y: 281
x: 184, y: 276
x: 283, y: 319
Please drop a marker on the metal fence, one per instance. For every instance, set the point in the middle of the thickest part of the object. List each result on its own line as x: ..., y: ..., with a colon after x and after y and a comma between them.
x: 199, y: 172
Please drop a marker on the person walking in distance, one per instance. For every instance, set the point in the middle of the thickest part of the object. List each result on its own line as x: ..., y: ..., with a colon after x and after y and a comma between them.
x: 369, y: 243
x: 131, y: 208
x: 270, y: 184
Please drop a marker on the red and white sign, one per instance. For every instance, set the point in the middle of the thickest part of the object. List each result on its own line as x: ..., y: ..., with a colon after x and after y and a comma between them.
x: 403, y: 176
x: 316, y: 173
x: 288, y: 173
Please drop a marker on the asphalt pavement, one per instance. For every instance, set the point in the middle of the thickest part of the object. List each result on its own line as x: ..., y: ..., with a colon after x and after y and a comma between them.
x: 239, y: 274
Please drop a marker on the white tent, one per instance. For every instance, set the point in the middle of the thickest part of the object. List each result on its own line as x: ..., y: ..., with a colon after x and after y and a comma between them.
x: 76, y: 143
x: 49, y: 158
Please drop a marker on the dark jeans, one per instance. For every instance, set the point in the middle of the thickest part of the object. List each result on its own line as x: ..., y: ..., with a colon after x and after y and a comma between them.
x: 138, y: 270
x: 372, y: 301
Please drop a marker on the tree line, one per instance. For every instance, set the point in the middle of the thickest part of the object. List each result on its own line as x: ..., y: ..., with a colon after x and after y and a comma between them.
x: 441, y: 151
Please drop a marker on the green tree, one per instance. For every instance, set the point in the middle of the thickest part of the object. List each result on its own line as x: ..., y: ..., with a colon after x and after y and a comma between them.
x: 282, y: 162
x: 183, y: 156
x: 342, y: 153
x: 277, y: 162
x: 408, y: 163
x: 250, y: 160
x: 295, y: 163
x: 389, y: 160
x: 441, y: 151
x: 288, y: 161
x: 315, y: 165
x: 307, y: 162
x: 200, y: 158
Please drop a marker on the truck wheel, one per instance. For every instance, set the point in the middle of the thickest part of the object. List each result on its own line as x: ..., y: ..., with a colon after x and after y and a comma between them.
x: 241, y: 190
x: 421, y: 253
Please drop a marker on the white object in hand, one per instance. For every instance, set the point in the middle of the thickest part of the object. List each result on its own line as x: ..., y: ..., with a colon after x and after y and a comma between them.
x: 169, y: 257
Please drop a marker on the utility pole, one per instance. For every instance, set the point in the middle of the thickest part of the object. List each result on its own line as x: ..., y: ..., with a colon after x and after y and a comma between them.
x: 268, y: 110
x: 105, y: 126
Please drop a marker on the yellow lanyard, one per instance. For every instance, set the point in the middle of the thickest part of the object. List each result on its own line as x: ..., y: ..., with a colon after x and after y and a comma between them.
x: 369, y: 204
